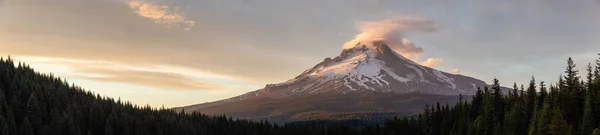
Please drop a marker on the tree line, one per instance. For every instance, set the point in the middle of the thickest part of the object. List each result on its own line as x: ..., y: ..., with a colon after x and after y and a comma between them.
x: 33, y: 103
x: 569, y: 107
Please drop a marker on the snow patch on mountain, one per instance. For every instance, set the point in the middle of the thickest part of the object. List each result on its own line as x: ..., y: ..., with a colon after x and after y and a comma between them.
x: 359, y: 66
x: 444, y: 78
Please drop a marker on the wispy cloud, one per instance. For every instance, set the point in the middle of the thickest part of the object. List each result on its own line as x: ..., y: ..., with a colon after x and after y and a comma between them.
x: 165, y: 77
x: 162, y: 14
x: 165, y: 80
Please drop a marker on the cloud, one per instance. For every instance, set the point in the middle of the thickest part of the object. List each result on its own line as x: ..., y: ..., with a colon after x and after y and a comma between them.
x: 392, y: 32
x: 455, y: 71
x: 432, y: 62
x: 169, y: 78
x: 161, y: 14
x: 165, y: 80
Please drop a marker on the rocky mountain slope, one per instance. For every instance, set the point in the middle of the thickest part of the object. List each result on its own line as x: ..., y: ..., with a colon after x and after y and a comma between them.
x: 369, y: 77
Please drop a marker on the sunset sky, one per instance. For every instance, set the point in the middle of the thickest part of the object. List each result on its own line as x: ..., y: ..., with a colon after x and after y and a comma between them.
x: 182, y: 52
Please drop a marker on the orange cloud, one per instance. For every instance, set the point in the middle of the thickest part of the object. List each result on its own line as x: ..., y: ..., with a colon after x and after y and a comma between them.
x: 433, y: 62
x: 161, y: 14
x: 455, y: 71
x: 391, y: 31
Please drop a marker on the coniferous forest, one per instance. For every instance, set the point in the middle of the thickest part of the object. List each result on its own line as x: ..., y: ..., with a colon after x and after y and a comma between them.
x: 32, y: 103
x: 569, y: 107
x: 41, y: 104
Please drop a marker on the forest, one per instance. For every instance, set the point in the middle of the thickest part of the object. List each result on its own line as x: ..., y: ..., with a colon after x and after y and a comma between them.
x: 571, y: 106
x: 33, y: 103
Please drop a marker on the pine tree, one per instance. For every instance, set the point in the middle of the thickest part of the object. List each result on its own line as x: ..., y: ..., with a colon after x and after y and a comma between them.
x: 10, y: 121
x: 515, y: 89
x: 558, y: 125
x: 477, y: 103
x: 477, y: 127
x: 26, y: 127
x: 571, y: 96
x: 34, y: 113
x: 597, y: 70
x: 487, y: 122
x: 97, y: 118
x: 589, y: 116
x: 499, y: 103
x: 109, y: 129
x: 3, y: 126
x: 514, y: 122
x: 541, y: 124
x: 542, y: 96
x: 530, y: 103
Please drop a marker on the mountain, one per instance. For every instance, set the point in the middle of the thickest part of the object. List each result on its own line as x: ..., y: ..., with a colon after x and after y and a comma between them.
x: 367, y: 79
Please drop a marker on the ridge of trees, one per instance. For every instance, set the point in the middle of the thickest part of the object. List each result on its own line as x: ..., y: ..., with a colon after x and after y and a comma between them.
x: 569, y: 107
x: 32, y: 103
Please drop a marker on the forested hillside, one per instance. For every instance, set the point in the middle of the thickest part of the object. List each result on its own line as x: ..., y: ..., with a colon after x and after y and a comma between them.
x: 41, y: 104
x: 569, y: 107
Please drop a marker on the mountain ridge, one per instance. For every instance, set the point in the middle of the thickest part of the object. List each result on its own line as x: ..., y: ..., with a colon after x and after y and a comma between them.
x: 367, y: 73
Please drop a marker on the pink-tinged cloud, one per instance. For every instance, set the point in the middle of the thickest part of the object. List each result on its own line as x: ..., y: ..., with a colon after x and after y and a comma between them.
x: 162, y: 14
x: 455, y: 71
x: 433, y: 62
x: 164, y: 77
x: 392, y: 32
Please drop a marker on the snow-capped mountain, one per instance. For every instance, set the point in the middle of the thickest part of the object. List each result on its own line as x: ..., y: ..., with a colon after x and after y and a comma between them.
x: 359, y: 74
x: 370, y: 67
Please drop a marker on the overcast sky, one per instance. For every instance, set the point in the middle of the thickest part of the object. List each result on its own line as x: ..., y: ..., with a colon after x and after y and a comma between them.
x: 182, y: 52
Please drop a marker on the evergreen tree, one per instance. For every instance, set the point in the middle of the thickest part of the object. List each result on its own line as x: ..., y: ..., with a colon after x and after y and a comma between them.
x: 478, y: 127
x: 541, y: 123
x: 3, y: 126
x: 26, y: 128
x: 571, y: 96
x: 597, y: 70
x: 34, y: 113
x: 487, y: 122
x: 109, y: 129
x: 530, y: 103
x: 558, y: 125
x: 590, y: 118
x: 10, y: 121
x: 542, y: 96
x: 498, y: 103
x: 514, y: 122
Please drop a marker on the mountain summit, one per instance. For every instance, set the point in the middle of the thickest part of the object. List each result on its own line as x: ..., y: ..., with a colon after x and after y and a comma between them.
x: 369, y: 77
x: 371, y: 67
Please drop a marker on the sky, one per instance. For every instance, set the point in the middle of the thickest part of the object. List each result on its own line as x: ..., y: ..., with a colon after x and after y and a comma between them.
x: 181, y: 52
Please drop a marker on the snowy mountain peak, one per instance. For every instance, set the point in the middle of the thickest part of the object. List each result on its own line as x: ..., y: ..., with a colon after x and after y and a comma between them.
x: 366, y: 77
x: 371, y: 66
